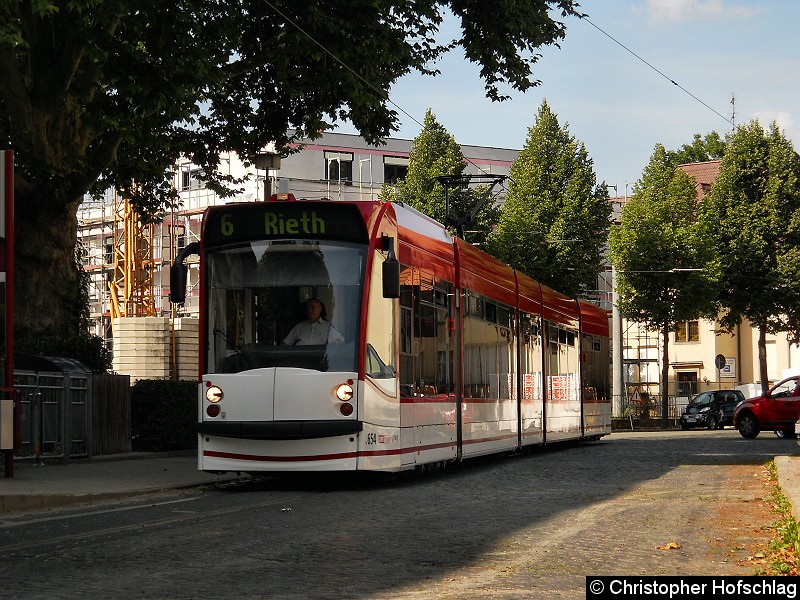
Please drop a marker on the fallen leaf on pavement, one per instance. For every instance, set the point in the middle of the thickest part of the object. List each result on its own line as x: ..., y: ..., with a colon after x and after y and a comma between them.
x: 670, y: 546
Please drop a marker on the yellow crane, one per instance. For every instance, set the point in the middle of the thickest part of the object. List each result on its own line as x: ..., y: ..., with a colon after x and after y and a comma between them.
x: 132, y: 282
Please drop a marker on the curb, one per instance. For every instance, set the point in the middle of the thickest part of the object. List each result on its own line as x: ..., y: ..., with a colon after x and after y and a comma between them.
x: 24, y: 502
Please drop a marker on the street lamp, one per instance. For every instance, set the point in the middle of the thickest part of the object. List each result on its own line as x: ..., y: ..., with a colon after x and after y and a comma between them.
x: 266, y: 161
x: 360, y: 179
x: 617, y: 381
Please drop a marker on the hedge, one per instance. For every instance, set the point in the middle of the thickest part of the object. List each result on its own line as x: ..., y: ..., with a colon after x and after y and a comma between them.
x: 163, y: 415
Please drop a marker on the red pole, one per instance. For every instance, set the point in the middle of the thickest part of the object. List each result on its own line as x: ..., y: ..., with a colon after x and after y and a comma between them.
x: 9, y: 382
x: 9, y: 302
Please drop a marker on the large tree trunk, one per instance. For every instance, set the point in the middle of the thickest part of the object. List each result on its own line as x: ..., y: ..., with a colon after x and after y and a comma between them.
x: 762, y: 357
x: 665, y: 378
x: 48, y: 302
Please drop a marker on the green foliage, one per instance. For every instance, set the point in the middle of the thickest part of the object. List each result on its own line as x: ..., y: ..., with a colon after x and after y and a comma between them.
x: 163, y: 415
x: 657, y: 238
x: 555, y: 220
x: 436, y: 154
x: 97, y: 94
x: 702, y: 149
x: 656, y: 249
x: 119, y: 90
x: 752, y: 216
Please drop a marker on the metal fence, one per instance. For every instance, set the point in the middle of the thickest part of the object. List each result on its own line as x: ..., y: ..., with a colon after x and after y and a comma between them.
x: 67, y: 414
x: 642, y: 403
x: 651, y: 408
x: 54, y: 414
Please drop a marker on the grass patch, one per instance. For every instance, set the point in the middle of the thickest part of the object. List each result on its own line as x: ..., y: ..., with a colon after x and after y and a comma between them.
x: 783, y: 553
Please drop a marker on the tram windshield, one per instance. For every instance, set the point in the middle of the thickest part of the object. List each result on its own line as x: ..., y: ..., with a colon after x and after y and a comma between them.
x: 283, y: 304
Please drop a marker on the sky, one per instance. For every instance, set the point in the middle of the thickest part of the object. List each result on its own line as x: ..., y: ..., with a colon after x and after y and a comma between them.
x: 732, y: 60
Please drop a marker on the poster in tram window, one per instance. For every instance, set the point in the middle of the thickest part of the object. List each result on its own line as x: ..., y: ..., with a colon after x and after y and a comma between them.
x: 532, y: 383
x: 563, y: 387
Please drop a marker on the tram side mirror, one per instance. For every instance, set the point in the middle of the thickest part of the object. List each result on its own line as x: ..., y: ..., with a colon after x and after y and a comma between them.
x: 177, y: 283
x: 178, y: 274
x: 391, y: 269
x: 391, y: 278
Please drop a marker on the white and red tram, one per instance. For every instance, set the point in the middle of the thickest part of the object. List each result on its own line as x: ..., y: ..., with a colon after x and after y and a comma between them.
x: 440, y: 352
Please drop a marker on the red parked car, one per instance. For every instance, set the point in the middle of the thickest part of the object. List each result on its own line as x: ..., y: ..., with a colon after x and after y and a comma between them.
x: 777, y: 410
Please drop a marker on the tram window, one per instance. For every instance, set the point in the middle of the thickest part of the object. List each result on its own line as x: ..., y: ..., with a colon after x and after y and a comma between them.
x: 257, y: 293
x: 427, y: 322
x: 405, y: 330
x: 504, y: 316
x: 529, y: 325
x: 475, y: 306
x: 491, y: 312
x: 425, y: 287
x: 406, y: 286
x: 237, y: 318
x: 375, y: 367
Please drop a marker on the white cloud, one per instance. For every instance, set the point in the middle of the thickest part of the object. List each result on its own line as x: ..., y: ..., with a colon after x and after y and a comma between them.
x: 674, y: 11
x: 785, y: 121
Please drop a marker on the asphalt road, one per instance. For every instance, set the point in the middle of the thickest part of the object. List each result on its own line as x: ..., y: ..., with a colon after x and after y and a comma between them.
x: 529, y: 526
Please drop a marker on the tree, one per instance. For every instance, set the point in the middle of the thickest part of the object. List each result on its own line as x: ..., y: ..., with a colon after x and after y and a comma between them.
x: 435, y: 154
x: 555, y: 220
x: 702, y: 149
x: 658, y: 239
x: 752, y: 216
x: 96, y: 93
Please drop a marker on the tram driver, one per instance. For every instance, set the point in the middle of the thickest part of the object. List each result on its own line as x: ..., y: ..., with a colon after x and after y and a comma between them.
x: 315, y: 330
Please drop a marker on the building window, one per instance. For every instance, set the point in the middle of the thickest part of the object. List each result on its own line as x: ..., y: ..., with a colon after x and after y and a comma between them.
x: 192, y: 179
x: 394, y: 169
x: 687, y: 384
x: 339, y: 167
x: 688, y: 331
x: 108, y: 250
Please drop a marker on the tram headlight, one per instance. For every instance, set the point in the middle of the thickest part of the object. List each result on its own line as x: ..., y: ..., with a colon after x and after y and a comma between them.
x: 345, y: 391
x: 214, y: 394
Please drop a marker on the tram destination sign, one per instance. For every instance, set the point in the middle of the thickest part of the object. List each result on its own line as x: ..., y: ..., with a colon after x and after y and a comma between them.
x: 285, y: 221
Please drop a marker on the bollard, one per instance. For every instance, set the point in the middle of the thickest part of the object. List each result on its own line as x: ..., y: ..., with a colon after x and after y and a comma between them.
x: 36, y: 421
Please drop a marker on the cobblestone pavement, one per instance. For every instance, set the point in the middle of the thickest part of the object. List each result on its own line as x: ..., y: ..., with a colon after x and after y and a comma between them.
x: 531, y: 526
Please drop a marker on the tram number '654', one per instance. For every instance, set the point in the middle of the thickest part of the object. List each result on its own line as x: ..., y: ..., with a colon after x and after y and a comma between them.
x: 381, y: 438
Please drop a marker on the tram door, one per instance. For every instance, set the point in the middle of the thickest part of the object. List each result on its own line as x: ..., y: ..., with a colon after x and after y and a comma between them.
x: 426, y: 347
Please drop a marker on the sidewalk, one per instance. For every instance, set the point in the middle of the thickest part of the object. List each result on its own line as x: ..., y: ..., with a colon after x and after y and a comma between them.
x: 104, y: 478
x: 34, y: 487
